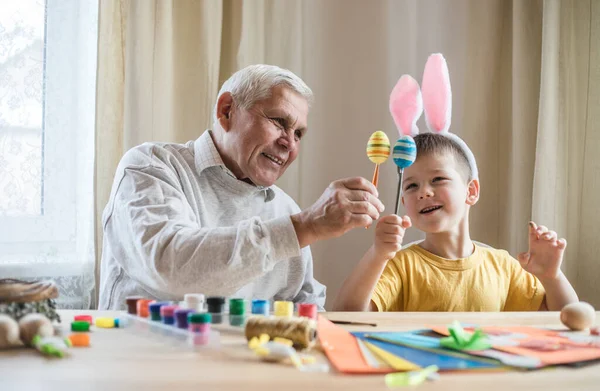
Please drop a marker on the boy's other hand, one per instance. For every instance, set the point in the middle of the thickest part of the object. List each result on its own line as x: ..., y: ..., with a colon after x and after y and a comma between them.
x: 545, y: 253
x: 389, y: 234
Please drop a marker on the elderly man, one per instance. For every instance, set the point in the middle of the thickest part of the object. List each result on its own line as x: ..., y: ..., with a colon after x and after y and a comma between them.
x: 206, y: 217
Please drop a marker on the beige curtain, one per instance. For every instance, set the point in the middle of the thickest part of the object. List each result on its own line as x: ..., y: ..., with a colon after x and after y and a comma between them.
x: 162, y: 62
x: 525, y: 77
x: 567, y: 158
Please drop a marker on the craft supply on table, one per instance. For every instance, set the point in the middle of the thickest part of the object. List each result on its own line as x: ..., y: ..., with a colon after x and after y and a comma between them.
x: 19, y: 298
x: 237, y: 312
x: 260, y: 307
x: 80, y: 326
x: 80, y: 339
x: 167, y: 314
x: 35, y: 324
x: 84, y: 318
x: 107, y: 323
x: 51, y: 346
x: 154, y: 309
x: 412, y: 378
x: 369, y: 356
x: 181, y: 316
x: 459, y: 339
x: 273, y: 351
x: 199, y: 324
x: 414, y: 339
x: 131, y: 303
x: 34, y: 330
x: 395, y: 362
x: 170, y: 333
x: 194, y: 301
x: 283, y: 308
x: 215, y: 306
x: 578, y: 316
x: 342, y: 350
x: 352, y: 323
x: 281, y: 350
x: 142, y: 307
x: 301, y: 331
x: 9, y: 332
x: 548, y: 346
x: 308, y: 310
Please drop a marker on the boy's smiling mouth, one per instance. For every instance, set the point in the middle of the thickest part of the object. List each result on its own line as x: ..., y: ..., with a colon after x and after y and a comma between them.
x: 430, y: 209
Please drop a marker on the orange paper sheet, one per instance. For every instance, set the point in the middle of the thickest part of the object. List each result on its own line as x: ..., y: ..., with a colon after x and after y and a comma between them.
x: 342, y: 349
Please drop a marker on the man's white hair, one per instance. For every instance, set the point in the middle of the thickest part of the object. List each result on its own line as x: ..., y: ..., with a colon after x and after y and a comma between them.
x: 255, y: 82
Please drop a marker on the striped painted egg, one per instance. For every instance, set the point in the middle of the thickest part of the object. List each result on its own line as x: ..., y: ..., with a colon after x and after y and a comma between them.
x: 378, y: 147
x: 405, y: 152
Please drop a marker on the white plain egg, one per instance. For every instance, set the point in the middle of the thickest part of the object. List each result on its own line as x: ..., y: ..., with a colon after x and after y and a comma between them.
x: 578, y: 316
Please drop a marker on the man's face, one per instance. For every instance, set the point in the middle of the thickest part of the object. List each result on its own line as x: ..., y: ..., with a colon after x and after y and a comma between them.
x: 262, y: 141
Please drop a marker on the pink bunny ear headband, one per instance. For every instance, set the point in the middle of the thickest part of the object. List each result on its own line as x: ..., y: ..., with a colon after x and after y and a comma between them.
x: 407, y: 102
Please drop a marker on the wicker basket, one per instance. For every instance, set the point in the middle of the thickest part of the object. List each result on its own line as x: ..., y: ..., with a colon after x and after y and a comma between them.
x: 19, y: 298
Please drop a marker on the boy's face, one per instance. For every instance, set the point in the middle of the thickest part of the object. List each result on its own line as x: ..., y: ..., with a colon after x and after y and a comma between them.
x: 435, y: 194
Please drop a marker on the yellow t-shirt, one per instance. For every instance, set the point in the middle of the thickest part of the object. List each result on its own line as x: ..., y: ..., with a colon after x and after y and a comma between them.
x: 488, y: 280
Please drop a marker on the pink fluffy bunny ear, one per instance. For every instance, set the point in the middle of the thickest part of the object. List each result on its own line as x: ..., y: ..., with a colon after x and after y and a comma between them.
x: 406, y: 105
x: 437, y: 94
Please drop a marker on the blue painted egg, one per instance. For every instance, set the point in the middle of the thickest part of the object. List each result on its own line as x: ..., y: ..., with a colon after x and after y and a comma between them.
x: 404, y: 152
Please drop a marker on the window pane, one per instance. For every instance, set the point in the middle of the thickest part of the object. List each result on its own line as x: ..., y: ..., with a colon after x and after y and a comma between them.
x: 21, y: 106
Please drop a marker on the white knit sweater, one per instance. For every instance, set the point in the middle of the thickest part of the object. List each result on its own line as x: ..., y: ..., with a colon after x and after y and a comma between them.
x: 178, y: 221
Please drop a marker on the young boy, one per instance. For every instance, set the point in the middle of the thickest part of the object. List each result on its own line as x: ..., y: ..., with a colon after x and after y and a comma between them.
x: 448, y: 271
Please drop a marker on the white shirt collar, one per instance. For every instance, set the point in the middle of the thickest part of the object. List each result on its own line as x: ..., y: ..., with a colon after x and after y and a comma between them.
x: 207, y: 155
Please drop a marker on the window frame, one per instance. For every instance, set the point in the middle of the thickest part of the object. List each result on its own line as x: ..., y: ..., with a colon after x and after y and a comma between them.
x: 68, y: 121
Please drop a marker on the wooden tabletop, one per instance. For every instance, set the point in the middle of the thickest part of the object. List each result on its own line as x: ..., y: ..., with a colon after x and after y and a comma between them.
x: 120, y: 359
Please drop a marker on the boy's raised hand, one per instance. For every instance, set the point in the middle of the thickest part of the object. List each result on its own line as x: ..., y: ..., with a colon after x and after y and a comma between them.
x: 545, y: 253
x: 389, y: 234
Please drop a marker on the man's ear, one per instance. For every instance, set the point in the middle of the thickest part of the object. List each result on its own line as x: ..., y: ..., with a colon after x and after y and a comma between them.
x: 224, y: 110
x: 473, y: 192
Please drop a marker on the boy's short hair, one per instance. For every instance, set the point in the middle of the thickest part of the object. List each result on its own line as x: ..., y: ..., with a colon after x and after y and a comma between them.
x: 435, y: 143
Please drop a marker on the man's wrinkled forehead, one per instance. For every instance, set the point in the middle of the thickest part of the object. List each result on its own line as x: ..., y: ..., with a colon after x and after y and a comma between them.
x: 286, y: 104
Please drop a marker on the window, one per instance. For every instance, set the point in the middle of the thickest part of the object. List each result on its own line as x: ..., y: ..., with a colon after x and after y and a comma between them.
x: 48, y: 55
